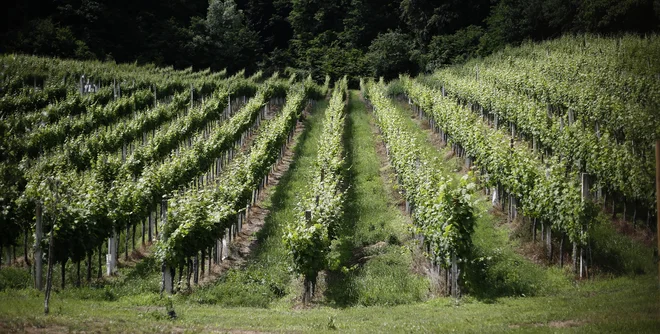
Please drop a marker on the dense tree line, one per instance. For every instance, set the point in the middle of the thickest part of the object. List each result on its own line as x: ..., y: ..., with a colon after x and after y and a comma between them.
x: 353, y: 37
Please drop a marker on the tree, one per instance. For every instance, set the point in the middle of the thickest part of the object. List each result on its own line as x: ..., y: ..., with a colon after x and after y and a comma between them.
x: 43, y: 36
x: 390, y: 54
x: 232, y: 44
x: 455, y: 48
x: 428, y: 18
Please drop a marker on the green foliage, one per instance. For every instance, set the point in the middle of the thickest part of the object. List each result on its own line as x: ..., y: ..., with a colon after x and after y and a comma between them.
x: 231, y: 42
x: 252, y: 288
x: 547, y: 190
x: 617, y: 254
x: 200, y: 215
x: 308, y: 238
x: 386, y: 280
x: 273, y: 35
x: 45, y: 37
x: 389, y: 55
x: 443, y: 211
x: 14, y: 278
x: 320, y: 59
x: 453, y: 49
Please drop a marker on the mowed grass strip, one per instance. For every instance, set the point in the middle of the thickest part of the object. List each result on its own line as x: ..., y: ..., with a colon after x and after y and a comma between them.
x: 372, y: 261
x: 618, y: 305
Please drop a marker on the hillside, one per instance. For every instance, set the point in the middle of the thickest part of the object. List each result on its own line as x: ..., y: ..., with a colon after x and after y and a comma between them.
x: 514, y: 192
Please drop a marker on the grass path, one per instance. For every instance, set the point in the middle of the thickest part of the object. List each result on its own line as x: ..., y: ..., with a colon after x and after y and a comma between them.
x: 374, y: 254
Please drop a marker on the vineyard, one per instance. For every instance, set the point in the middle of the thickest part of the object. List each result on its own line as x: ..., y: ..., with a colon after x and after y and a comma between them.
x: 518, y: 191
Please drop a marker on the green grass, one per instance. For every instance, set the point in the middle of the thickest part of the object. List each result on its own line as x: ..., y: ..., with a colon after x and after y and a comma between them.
x: 617, y: 254
x: 262, y: 296
x: 621, y: 304
x: 380, y: 274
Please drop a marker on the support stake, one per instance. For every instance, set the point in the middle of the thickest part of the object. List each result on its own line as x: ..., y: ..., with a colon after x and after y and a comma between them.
x: 657, y: 193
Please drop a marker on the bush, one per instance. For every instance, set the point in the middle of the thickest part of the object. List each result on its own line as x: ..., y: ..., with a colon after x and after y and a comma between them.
x: 453, y: 49
x: 387, y: 280
x: 14, y: 278
x: 389, y: 55
x: 506, y: 274
x: 251, y: 288
x: 615, y: 253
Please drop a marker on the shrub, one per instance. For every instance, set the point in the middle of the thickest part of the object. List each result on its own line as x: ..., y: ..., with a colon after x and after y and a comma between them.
x: 14, y: 278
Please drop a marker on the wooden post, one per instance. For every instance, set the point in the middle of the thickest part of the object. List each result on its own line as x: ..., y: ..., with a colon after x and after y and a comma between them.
x: 585, y: 196
x: 455, y: 292
x: 225, y: 246
x: 657, y: 193
x: 38, y: 261
x: 110, y: 257
x: 167, y: 271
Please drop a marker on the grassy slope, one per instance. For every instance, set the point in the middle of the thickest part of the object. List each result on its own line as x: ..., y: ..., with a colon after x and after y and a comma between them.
x: 131, y: 305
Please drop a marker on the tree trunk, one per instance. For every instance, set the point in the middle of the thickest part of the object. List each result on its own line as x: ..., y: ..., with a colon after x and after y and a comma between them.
x: 189, y: 273
x: 203, y: 262
x: 582, y: 265
x: 575, y: 258
x: 180, y: 281
x: 64, y: 274
x: 89, y: 266
x: 455, y: 292
x: 151, y: 224
x: 133, y: 240
x: 143, y: 231
x: 38, y: 256
x: 128, y: 233
x: 561, y: 250
x: 307, y: 293
x: 26, y: 231
x: 624, y: 209
x: 78, y: 273
x: 49, y: 274
x: 548, y: 240
x: 534, y: 230
x: 166, y: 284
x: 196, y: 269
x: 100, y: 273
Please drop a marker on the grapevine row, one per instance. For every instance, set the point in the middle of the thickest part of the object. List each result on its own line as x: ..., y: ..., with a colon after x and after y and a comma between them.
x: 198, y: 217
x: 442, y: 211
x: 308, y: 237
x: 110, y: 200
x: 547, y: 191
x: 614, y: 165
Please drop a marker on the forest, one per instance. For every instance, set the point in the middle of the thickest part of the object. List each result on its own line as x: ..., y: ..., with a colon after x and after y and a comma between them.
x: 343, y: 37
